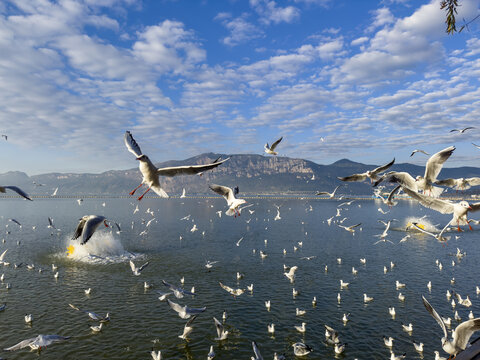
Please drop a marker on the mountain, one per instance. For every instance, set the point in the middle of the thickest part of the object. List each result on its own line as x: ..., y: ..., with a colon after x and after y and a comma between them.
x: 254, y: 174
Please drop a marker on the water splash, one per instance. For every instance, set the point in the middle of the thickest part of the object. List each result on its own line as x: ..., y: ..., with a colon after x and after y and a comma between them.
x: 427, y: 224
x: 102, y: 248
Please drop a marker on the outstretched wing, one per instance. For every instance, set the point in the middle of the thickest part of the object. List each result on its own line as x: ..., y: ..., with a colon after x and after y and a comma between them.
x: 132, y: 145
x: 258, y: 356
x: 446, y: 182
x: 79, y: 229
x: 90, y: 226
x: 382, y: 168
x: 435, y: 163
x: 225, y: 191
x: 188, y: 169
x: 464, y: 332
x: 354, y: 177
x: 18, y: 191
x: 443, y: 206
x: 21, y: 344
x: 175, y: 306
x: 218, y: 326
x: 435, y: 315
x: 143, y: 266
x: 274, y: 145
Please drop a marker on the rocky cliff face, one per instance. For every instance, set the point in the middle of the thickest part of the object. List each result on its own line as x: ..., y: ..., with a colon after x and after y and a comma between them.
x: 252, y: 173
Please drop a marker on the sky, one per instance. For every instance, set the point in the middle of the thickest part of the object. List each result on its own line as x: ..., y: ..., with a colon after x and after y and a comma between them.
x: 364, y: 80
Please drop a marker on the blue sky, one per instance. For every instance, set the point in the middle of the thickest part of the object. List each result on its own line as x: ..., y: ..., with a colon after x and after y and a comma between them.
x: 364, y: 80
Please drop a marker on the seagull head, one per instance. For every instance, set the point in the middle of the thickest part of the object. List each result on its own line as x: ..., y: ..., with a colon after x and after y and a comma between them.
x: 142, y: 158
x: 105, y: 223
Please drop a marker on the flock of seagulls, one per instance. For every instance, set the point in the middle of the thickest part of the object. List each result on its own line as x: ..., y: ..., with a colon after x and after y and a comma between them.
x: 426, y: 190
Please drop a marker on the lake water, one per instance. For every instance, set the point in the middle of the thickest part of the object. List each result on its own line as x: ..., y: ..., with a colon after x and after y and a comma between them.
x: 140, y: 322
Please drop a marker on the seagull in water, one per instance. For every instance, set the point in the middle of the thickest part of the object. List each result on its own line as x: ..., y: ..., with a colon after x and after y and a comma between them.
x: 460, y: 336
x: 137, y: 270
x: 37, y: 343
x: 270, y: 149
x: 188, y: 328
x: 184, y: 311
x: 459, y: 210
x: 301, y: 349
x: 16, y: 189
x: 229, y: 195
x: 221, y: 332
x: 87, y: 226
x: 151, y: 173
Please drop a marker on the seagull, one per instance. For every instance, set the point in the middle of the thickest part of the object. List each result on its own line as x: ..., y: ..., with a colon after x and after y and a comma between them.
x: 270, y: 149
x: 301, y: 349
x: 92, y: 315
x: 460, y: 336
x: 330, y: 195
x: 97, y: 328
x: 50, y: 224
x: 290, y: 274
x: 221, y: 333
x: 87, y: 226
x: 477, y: 146
x: 367, y: 298
x: 151, y: 173
x: 350, y: 228
x: 339, y: 348
x: 331, y: 335
x: 184, y: 311
x: 137, y: 270
x: 459, y: 184
x: 37, y: 343
x: 462, y: 130
x: 408, y: 328
x: 418, y: 347
x: 211, y: 353
x: 459, y: 210
x: 233, y: 292
x: 399, y: 357
x: 229, y: 195
x: 418, y: 150
x: 268, y: 304
x: 188, y: 328
x: 371, y: 174
x: 432, y: 169
x: 271, y: 328
x: 183, y: 194
x: 2, y: 256
x: 209, y: 264
x: 438, y: 357
x: 239, y: 241
x: 301, y: 328
x: 28, y: 318
x: 15, y: 221
x: 178, y: 292
x: 389, y: 199
x: 156, y: 355
x: 256, y: 351
x: 388, y: 341
x: 391, y: 311
x: 16, y: 189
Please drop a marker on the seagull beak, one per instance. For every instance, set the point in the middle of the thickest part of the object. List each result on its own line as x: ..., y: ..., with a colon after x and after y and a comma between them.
x: 105, y: 223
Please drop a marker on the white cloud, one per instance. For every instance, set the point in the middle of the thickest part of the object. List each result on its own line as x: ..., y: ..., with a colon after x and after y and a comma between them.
x: 270, y: 12
x: 383, y: 16
x: 241, y: 30
x: 359, y: 41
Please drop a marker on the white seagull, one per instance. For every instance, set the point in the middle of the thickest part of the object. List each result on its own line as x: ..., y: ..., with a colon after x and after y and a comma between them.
x: 137, y: 270
x: 418, y: 150
x: 221, y: 332
x: 270, y: 149
x: 188, y: 328
x: 229, y: 195
x: 184, y: 311
x: 371, y: 174
x: 151, y: 173
x: 16, y: 189
x: 460, y: 336
x: 38, y: 342
x: 330, y: 195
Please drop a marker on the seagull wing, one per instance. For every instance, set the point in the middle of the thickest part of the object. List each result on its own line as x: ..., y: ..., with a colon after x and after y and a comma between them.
x: 21, y: 344
x: 354, y: 177
x: 18, y: 191
x: 225, y: 287
x: 392, y: 193
x: 258, y: 356
x: 274, y: 145
x: 402, y: 178
x: 218, y: 326
x: 143, y: 266
x: 188, y: 169
x: 90, y: 226
x: 3, y: 255
x: 475, y: 207
x: 382, y: 168
x: 178, y: 308
x: 79, y: 229
x: 435, y: 163
x: 442, y: 206
x: 132, y: 266
x: 132, y: 145
x: 195, y: 311
x: 354, y: 226
x: 225, y: 191
x: 190, y: 321
x: 446, y: 182
x: 473, y: 181
x: 45, y: 340
x: 435, y: 315
x: 464, y: 331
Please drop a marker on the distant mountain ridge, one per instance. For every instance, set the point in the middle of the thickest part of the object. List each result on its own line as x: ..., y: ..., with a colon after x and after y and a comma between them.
x: 254, y: 174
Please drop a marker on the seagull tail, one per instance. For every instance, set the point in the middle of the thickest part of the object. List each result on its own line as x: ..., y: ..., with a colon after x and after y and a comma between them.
x: 436, y: 191
x: 159, y: 191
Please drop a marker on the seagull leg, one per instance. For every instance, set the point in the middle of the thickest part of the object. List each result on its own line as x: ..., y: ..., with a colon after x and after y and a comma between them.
x: 141, y: 197
x: 458, y: 226
x: 133, y: 191
x: 470, y: 226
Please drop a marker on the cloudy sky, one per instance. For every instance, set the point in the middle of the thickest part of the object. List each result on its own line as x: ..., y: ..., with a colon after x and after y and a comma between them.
x: 364, y: 80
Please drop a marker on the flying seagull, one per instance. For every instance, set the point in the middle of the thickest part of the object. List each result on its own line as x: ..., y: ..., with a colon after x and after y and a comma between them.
x: 460, y: 184
x: 270, y: 149
x: 37, y: 343
x: 184, y: 311
x: 418, y: 150
x: 229, y: 195
x: 371, y: 174
x: 432, y: 169
x: 17, y: 190
x: 151, y: 173
x: 462, y: 130
x: 330, y: 195
x: 460, y: 336
x: 459, y: 210
x: 87, y: 226
x: 137, y: 270
x: 178, y: 292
